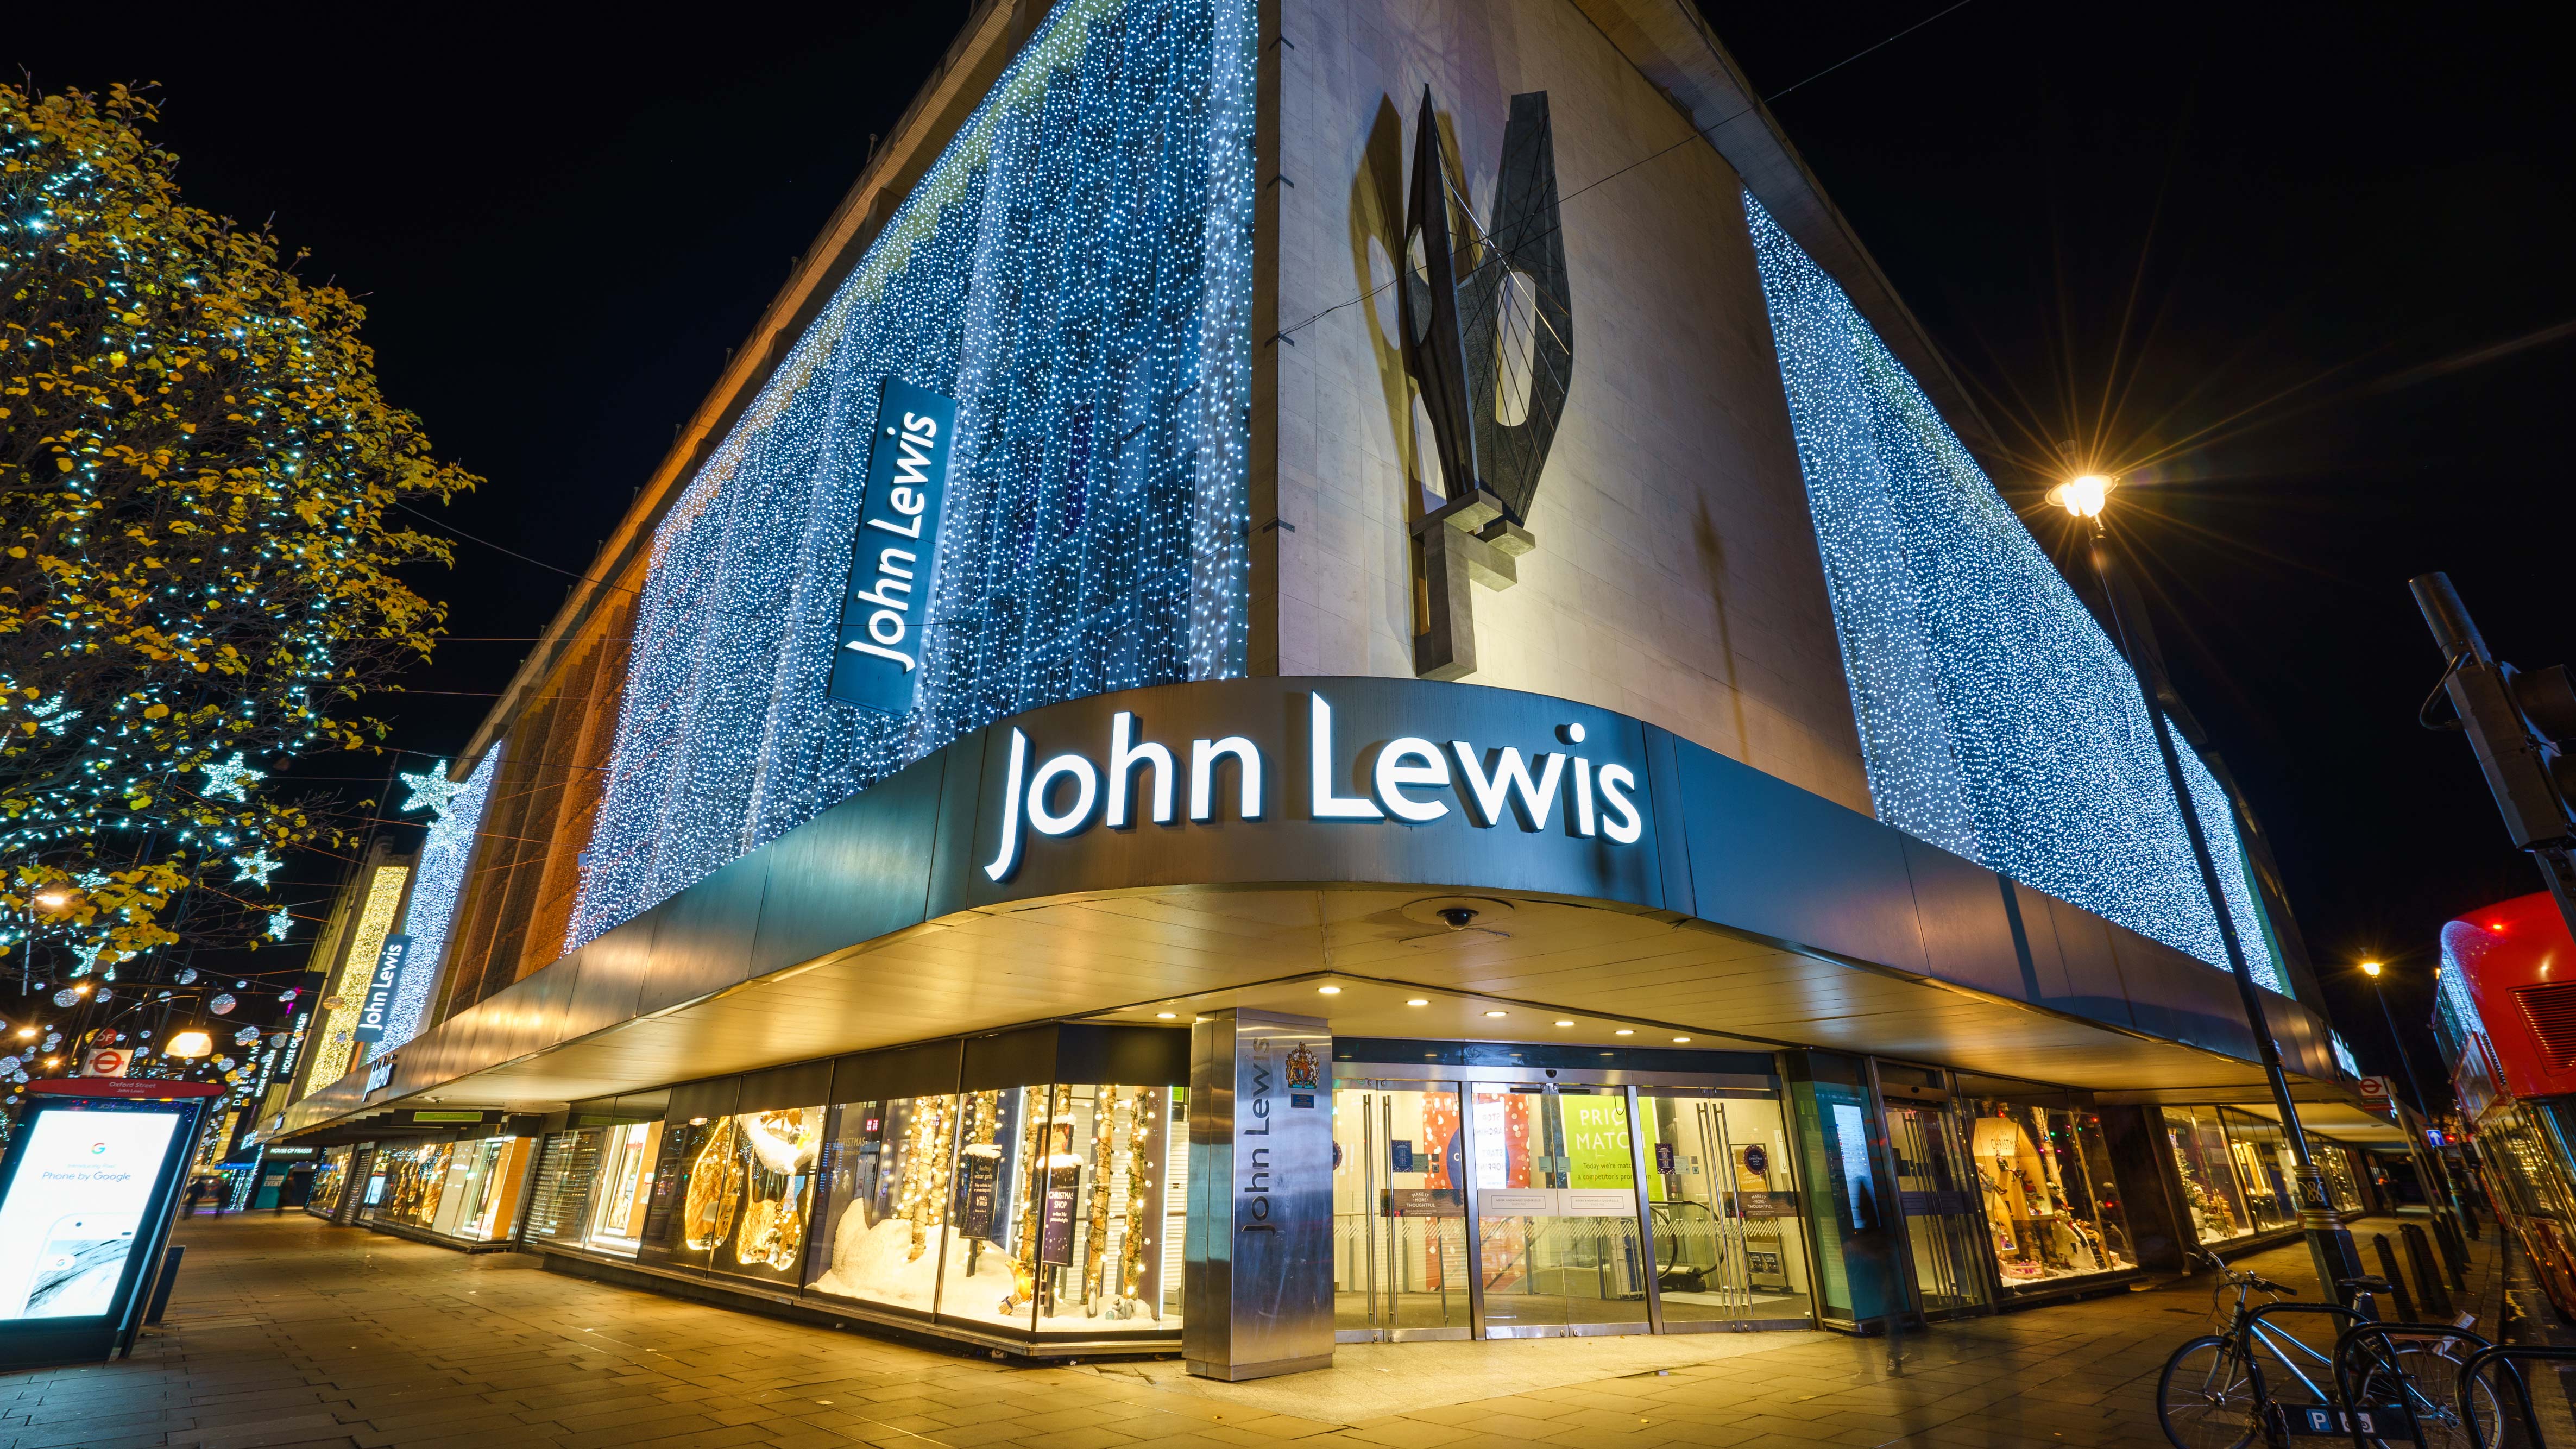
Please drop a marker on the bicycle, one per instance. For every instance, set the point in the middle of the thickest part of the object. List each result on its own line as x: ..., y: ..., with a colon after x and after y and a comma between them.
x: 2215, y: 1394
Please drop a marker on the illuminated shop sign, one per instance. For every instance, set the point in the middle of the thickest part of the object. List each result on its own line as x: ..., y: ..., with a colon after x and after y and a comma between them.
x: 1406, y: 780
x: 381, y: 989
x: 888, y: 599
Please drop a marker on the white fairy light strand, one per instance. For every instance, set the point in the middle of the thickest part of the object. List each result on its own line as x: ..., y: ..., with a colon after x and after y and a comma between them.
x: 1075, y: 270
x: 1996, y: 719
x: 438, y: 880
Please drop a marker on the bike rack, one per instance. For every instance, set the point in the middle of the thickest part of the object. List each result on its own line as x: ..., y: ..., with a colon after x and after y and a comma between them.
x: 2349, y: 1372
x: 2510, y: 1355
x: 2268, y: 1310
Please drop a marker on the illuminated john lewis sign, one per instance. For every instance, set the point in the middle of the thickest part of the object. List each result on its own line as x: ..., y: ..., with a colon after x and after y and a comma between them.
x: 878, y: 663
x: 1404, y: 780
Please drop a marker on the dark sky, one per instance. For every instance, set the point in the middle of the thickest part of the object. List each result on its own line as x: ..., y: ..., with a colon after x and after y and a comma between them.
x: 2316, y: 218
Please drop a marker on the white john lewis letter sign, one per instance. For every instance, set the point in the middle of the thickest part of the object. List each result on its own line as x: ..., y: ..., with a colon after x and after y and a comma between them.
x: 1414, y: 781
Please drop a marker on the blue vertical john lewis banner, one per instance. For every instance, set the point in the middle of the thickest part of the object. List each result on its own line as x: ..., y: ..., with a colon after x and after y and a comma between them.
x: 382, y: 989
x: 877, y: 664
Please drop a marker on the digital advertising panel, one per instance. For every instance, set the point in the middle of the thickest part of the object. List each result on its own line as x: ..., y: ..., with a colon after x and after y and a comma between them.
x: 83, y: 1198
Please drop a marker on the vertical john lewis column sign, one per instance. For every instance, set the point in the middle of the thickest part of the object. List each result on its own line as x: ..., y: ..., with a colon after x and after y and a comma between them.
x: 381, y: 988
x: 887, y: 604
x: 1257, y: 1261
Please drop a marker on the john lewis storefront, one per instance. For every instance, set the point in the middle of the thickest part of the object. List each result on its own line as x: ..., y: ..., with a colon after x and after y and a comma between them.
x: 1044, y: 643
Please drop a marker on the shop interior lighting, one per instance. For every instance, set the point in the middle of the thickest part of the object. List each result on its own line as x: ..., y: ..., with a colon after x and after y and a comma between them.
x: 1997, y: 720
x: 1165, y: 1015
x: 1419, y: 1001
x: 1680, y: 1039
x: 1075, y: 270
x: 1565, y: 1023
x: 1328, y: 991
x: 1497, y: 1013
x: 1624, y: 1031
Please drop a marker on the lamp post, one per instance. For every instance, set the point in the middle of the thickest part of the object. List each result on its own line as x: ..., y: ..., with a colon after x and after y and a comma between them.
x: 2414, y: 1088
x: 2329, y: 1244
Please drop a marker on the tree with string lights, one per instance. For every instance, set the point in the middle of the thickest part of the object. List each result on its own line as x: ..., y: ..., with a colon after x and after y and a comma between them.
x: 199, y: 482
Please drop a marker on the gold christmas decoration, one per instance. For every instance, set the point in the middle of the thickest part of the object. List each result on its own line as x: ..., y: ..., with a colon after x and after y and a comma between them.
x: 924, y: 1196
x: 1140, y: 1186
x: 1104, y: 1139
x: 782, y: 1146
x: 715, y: 1189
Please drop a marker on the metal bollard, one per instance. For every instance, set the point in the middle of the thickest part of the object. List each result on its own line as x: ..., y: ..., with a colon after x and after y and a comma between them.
x: 2396, y: 1280
x: 2428, y: 1274
x: 161, y: 1286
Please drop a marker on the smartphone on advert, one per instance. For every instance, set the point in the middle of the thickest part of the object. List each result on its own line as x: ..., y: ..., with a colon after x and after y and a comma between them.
x: 78, y: 1267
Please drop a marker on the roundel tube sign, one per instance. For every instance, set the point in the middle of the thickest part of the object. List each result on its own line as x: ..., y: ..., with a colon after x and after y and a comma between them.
x: 105, y: 1062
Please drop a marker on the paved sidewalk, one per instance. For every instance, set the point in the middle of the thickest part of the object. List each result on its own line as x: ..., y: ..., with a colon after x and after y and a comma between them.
x: 286, y: 1331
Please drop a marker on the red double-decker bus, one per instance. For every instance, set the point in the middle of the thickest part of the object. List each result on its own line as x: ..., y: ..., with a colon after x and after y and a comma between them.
x: 2506, y: 1017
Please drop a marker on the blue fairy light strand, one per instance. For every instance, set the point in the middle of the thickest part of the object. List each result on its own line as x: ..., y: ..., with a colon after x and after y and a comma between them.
x: 438, y: 880
x: 1075, y: 270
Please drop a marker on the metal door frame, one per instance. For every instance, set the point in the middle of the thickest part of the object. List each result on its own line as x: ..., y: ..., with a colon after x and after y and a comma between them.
x: 1376, y: 1118
x: 1549, y: 1088
x: 1980, y: 1267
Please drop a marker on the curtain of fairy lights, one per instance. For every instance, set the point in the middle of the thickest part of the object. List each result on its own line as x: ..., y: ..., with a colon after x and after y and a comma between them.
x: 1075, y: 270
x: 1997, y: 720
x: 439, y: 878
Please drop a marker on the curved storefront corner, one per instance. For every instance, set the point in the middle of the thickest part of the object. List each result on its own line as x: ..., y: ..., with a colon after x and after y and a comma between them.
x: 887, y: 918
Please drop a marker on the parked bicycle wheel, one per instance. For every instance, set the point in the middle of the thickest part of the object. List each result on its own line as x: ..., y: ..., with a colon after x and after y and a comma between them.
x: 2208, y: 1396
x: 2427, y: 1381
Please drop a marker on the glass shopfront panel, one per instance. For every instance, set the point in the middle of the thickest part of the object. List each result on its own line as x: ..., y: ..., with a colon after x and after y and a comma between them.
x: 2341, y: 1181
x: 1048, y: 1209
x: 330, y: 1179
x: 1729, y: 1244
x: 2052, y: 1203
x: 1399, y: 1211
x: 2209, y: 1179
x: 466, y: 1190
x: 1556, y: 1193
x: 2261, y: 1152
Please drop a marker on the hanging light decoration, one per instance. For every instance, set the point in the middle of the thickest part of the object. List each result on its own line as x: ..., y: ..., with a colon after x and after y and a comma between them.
x: 222, y: 1004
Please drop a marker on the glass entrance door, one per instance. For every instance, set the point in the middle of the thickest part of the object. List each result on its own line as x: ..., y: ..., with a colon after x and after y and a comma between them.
x: 1944, y: 1222
x: 1399, y: 1212
x: 1560, y: 1251
x: 1730, y: 1247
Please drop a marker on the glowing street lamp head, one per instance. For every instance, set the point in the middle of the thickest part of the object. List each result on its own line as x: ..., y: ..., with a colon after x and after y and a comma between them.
x: 2084, y: 496
x: 190, y: 1043
x: 2370, y: 968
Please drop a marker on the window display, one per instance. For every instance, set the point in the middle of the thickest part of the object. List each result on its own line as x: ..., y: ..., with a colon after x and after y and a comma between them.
x: 2209, y: 1180
x: 330, y: 1175
x: 624, y: 1188
x: 2264, y: 1164
x: 2052, y: 1204
x: 2337, y: 1162
x: 1045, y: 1208
x: 749, y: 1191
x: 466, y: 1190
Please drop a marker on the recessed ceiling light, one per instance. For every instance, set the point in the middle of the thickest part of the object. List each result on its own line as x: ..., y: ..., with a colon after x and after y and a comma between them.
x: 1328, y: 991
x: 1565, y: 1023
x: 1165, y: 1015
x: 1496, y: 1013
x: 1419, y: 1001
x: 1624, y: 1031
x: 1681, y: 1038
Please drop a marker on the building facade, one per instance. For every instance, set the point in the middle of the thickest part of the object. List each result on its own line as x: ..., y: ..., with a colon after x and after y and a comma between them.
x: 1408, y: 533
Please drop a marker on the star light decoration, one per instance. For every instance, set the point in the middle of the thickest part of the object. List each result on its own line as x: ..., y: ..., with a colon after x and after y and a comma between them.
x: 1075, y: 269
x: 255, y: 867
x: 279, y: 923
x: 232, y: 779
x: 436, y: 883
x: 431, y: 790
x: 1997, y: 720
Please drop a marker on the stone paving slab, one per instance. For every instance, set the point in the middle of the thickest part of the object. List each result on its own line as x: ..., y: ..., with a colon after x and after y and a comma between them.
x: 286, y: 1331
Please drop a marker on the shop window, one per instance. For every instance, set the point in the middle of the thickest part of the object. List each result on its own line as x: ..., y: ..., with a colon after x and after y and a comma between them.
x: 560, y: 1200
x: 330, y: 1177
x: 885, y: 1167
x: 2209, y: 1180
x: 2052, y: 1204
x: 1053, y: 1209
x: 623, y: 1190
x: 750, y: 1191
x: 2340, y: 1180
x: 2261, y: 1155
x: 466, y: 1190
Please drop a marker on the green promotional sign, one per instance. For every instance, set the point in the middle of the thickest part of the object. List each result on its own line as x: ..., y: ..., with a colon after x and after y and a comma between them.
x: 1596, y: 1142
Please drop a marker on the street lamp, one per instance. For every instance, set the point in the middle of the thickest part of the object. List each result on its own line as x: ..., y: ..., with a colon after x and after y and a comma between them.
x: 189, y: 1043
x: 2086, y: 497
x: 2423, y: 1108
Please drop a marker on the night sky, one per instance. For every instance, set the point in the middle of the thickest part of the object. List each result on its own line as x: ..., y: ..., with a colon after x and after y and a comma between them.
x: 2317, y: 254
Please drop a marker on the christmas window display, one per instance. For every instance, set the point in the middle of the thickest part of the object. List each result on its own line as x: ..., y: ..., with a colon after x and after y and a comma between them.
x: 1044, y: 1207
x: 751, y: 1185
x: 330, y: 1175
x: 2209, y: 1182
x: 2052, y: 1204
x: 886, y: 1171
x: 415, y: 1184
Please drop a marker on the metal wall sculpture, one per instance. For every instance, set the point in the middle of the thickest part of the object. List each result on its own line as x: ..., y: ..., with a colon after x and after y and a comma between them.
x: 1487, y: 318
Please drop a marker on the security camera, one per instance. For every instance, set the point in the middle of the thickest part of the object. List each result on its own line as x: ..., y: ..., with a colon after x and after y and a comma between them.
x: 1457, y: 917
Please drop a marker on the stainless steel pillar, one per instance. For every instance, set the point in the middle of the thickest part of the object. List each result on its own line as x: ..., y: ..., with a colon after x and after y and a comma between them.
x: 1257, y: 1267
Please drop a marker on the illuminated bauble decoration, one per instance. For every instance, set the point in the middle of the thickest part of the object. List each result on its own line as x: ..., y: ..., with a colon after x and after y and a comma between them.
x: 287, y: 997
x: 225, y: 1064
x: 66, y: 997
x: 106, y: 995
x: 334, y: 1003
x: 219, y: 1006
x: 8, y: 1065
x: 241, y: 986
x: 188, y: 977
x: 246, y: 1036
